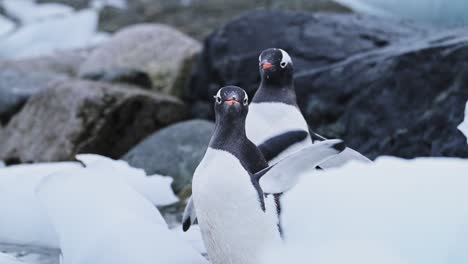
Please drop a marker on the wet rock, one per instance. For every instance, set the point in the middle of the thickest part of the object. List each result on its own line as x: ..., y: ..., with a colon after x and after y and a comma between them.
x: 16, y: 87
x: 71, y: 117
x: 122, y: 75
x: 163, y: 53
x: 405, y: 100
x: 230, y: 54
x: 174, y: 151
x: 185, y: 15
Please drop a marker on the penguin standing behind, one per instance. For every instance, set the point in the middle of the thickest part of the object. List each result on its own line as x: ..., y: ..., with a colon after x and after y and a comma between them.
x: 230, y: 206
x: 274, y: 110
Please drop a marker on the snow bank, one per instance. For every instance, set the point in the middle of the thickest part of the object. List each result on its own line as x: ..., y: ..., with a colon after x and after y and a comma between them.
x: 463, y: 127
x: 7, y: 259
x: 394, y: 211
x: 436, y: 12
x: 103, y: 220
x: 23, y: 220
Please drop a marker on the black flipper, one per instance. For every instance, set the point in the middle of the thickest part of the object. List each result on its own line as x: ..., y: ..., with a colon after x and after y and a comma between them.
x: 275, y: 145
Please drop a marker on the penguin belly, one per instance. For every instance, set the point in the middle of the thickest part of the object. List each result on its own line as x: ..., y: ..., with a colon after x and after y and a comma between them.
x: 234, y: 227
x: 267, y: 120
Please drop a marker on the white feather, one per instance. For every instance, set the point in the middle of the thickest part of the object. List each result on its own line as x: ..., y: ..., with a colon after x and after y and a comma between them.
x: 285, y: 58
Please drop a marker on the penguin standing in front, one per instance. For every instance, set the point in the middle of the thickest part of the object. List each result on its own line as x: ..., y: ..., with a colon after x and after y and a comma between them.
x: 230, y: 205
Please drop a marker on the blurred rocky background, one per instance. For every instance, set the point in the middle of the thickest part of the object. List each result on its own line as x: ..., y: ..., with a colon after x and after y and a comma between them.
x: 134, y: 79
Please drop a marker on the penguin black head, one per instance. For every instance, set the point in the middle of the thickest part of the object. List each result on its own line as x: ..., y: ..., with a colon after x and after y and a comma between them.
x: 231, y: 102
x: 276, y: 66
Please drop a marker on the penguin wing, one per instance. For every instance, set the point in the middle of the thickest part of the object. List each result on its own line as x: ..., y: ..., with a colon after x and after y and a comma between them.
x: 189, y: 216
x: 347, y: 155
x: 283, y: 175
x: 275, y: 145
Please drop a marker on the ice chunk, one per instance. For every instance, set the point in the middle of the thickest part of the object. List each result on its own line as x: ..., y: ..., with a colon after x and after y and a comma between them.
x: 436, y: 12
x: 103, y: 220
x: 409, y: 211
x: 28, y: 11
x: 74, y: 31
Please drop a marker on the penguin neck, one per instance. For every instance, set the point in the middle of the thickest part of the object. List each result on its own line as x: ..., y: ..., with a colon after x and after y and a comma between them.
x: 228, y: 133
x: 272, y: 91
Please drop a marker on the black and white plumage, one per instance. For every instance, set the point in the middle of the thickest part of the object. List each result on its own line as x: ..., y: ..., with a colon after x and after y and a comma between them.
x: 274, y: 109
x: 229, y: 199
x: 275, y: 123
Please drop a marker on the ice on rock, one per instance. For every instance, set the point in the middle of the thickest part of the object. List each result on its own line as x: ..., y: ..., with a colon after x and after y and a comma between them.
x: 27, y: 11
x: 404, y: 211
x: 103, y: 220
x: 48, y: 36
x: 463, y: 127
x: 23, y: 220
x: 436, y: 12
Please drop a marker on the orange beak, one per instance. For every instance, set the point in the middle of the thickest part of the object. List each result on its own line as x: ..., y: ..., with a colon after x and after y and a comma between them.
x: 267, y: 65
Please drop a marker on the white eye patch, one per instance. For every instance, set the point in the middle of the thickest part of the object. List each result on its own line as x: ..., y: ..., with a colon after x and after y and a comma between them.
x: 286, y: 59
x: 217, y: 97
x: 246, y: 98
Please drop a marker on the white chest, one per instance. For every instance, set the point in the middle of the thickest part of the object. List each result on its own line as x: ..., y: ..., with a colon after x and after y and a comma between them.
x: 267, y: 120
x: 234, y: 227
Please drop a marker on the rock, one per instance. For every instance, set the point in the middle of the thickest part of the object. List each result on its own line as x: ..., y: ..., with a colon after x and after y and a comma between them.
x: 175, y: 151
x: 405, y: 100
x: 71, y: 117
x: 165, y: 54
x: 122, y: 75
x: 16, y: 87
x: 185, y: 15
x: 230, y: 54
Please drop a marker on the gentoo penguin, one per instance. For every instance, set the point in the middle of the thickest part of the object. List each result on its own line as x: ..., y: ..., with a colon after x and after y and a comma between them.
x: 230, y: 208
x: 274, y: 109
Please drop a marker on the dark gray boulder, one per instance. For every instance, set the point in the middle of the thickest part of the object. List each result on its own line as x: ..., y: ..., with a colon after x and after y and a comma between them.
x: 16, y: 87
x: 405, y: 100
x: 174, y: 151
x: 230, y: 54
x: 76, y: 116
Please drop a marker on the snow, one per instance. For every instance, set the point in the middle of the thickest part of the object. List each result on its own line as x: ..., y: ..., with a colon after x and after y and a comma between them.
x: 394, y: 211
x: 436, y: 12
x: 7, y: 259
x: 47, y: 36
x: 27, y: 11
x: 129, y: 230
x: 23, y: 220
x: 192, y: 237
x: 463, y: 127
x: 6, y: 25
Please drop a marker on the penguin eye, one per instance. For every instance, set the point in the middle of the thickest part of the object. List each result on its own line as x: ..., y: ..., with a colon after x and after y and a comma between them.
x: 246, y: 101
x: 283, y: 64
x: 218, y: 99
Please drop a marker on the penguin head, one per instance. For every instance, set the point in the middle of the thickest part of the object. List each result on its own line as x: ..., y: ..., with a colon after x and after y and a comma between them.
x: 231, y: 102
x: 275, y: 65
